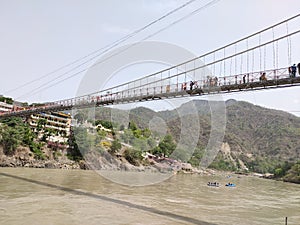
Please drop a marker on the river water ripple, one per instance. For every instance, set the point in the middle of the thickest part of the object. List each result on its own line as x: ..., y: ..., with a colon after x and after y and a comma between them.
x: 41, y: 196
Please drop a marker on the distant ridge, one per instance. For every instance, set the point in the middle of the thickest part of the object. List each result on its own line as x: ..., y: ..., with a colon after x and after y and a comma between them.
x: 256, y: 138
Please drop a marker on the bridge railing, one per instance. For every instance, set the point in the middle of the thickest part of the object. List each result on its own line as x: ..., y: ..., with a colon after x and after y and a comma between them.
x: 273, y: 74
x: 210, y: 81
x: 167, y: 87
x: 160, y: 87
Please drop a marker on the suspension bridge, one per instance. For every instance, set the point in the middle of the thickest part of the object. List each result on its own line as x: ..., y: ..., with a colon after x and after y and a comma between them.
x: 259, y: 61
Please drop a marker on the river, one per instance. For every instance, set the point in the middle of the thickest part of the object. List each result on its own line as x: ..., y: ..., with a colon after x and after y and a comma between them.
x: 49, y: 196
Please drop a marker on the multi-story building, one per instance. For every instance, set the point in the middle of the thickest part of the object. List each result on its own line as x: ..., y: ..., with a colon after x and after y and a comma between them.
x: 5, y: 107
x: 58, y: 121
x: 8, y: 104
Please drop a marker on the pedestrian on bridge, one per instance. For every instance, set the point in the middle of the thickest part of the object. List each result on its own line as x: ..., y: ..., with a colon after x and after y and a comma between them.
x: 191, y: 85
x: 294, y: 69
x: 298, y: 68
x: 263, y: 77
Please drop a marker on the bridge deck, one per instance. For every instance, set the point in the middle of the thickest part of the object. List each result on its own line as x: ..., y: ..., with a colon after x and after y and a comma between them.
x: 208, y: 90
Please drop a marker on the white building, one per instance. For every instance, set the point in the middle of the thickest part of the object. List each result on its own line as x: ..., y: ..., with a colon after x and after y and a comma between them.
x: 58, y: 121
x: 4, y: 107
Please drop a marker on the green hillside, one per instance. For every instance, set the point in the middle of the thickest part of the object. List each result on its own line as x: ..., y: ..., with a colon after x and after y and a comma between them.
x: 256, y: 139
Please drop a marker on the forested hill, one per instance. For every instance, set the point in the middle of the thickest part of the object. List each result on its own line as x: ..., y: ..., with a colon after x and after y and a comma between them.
x: 256, y: 138
x: 263, y: 132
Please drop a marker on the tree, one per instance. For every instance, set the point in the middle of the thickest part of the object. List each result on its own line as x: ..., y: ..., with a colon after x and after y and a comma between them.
x: 282, y: 169
x: 293, y: 175
x: 101, y: 134
x: 36, y: 147
x: 7, y: 100
x: 146, y: 133
x: 115, y: 146
x: 14, y: 132
x: 165, y: 147
x: 28, y: 136
x: 80, y: 143
x: 106, y: 124
x: 9, y: 139
x: 132, y: 126
x: 41, y: 124
x: 278, y: 172
x: 133, y: 156
x: 73, y: 151
x: 137, y: 133
x: 24, y: 104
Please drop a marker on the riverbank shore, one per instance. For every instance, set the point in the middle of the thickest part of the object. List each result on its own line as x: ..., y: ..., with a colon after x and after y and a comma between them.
x: 23, y: 157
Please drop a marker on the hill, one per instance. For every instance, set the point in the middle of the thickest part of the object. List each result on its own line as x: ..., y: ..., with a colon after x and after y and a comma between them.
x: 255, y: 139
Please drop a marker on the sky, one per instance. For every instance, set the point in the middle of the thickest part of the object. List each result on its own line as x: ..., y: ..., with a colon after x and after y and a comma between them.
x: 41, y: 36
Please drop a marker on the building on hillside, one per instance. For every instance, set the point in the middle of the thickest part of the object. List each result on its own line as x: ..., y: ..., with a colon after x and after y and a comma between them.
x: 100, y: 127
x: 59, y: 122
x: 8, y: 105
x: 5, y: 107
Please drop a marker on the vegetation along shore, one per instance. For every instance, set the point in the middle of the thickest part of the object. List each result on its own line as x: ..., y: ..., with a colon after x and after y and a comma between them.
x: 257, y: 140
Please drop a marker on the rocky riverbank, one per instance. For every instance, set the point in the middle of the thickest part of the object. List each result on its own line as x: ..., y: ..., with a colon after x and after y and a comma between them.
x: 23, y: 157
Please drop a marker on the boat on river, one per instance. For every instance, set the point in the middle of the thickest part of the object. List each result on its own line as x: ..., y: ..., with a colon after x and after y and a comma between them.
x: 213, y: 184
x: 230, y: 185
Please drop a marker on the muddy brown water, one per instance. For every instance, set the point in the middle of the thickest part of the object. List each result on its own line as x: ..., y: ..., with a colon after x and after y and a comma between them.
x: 49, y: 196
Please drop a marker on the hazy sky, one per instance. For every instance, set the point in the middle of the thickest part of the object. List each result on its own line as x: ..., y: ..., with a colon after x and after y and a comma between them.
x: 40, y: 36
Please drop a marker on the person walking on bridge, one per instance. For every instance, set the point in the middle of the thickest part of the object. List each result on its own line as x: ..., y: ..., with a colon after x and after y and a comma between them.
x: 298, y: 68
x: 294, y: 69
x: 191, y: 85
